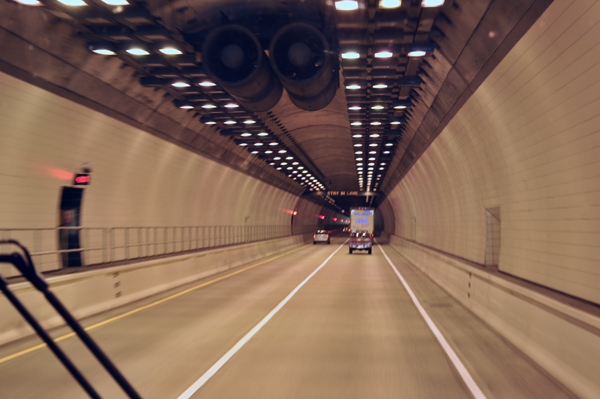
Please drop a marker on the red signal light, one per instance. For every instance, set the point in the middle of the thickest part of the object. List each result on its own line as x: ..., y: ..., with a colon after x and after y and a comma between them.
x: 82, y: 179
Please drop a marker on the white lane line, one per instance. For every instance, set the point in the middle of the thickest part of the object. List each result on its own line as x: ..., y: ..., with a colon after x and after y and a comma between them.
x: 221, y: 362
x: 471, y: 384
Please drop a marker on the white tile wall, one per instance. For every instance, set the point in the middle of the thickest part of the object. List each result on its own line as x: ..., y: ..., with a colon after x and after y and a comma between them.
x: 137, y: 179
x: 528, y: 141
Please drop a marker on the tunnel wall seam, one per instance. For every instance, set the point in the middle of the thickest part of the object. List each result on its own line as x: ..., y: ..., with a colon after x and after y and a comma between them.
x: 563, y: 340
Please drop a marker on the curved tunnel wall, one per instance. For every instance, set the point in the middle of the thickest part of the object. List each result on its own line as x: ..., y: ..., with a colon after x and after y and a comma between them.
x: 137, y: 179
x: 384, y: 218
x: 524, y: 146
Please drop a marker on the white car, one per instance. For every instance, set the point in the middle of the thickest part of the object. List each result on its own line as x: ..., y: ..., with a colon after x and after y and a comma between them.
x: 321, y: 236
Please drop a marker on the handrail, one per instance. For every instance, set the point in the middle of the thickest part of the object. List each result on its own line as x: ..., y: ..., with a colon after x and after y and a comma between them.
x: 102, y: 245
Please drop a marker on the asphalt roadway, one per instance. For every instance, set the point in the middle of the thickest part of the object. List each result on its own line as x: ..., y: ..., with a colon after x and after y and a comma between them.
x: 314, y: 323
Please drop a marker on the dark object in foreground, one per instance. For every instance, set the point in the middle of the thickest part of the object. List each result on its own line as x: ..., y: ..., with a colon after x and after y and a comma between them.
x: 22, y: 261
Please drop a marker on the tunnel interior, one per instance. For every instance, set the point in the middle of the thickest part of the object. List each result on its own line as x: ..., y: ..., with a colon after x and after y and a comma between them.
x: 471, y: 128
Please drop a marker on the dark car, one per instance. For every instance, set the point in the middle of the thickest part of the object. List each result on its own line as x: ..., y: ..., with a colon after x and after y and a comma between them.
x: 361, y: 240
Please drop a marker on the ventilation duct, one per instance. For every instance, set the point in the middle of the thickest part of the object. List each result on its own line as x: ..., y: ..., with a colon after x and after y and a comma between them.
x: 235, y: 60
x: 300, y: 56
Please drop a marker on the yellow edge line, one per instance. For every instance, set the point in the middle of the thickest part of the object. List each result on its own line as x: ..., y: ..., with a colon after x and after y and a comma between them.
x: 102, y: 323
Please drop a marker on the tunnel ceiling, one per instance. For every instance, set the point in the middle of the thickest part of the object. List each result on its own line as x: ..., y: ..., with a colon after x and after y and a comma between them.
x: 302, y: 94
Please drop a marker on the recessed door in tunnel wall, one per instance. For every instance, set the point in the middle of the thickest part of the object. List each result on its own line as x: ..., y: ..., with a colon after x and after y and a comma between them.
x: 69, y: 213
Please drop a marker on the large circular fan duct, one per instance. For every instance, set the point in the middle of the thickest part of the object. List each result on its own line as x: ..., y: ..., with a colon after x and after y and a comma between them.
x: 300, y: 56
x: 233, y: 57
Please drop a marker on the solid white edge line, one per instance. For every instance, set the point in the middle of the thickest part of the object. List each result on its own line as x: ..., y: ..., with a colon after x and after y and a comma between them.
x: 221, y: 362
x: 471, y: 384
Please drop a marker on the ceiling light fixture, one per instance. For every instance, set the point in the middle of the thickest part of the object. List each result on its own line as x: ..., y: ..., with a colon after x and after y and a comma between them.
x: 180, y: 83
x: 170, y: 50
x: 380, y: 86
x: 419, y: 49
x: 207, y: 120
x: 346, y: 5
x: 354, y: 108
x: 137, y: 50
x: 74, y: 3
x: 350, y: 55
x: 383, y: 54
x: 353, y: 87
x: 29, y: 2
x: 432, y: 3
x: 102, y: 48
x: 417, y: 53
x: 389, y: 3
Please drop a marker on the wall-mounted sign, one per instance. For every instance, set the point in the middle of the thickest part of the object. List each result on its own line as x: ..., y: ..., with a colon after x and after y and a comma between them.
x: 345, y: 193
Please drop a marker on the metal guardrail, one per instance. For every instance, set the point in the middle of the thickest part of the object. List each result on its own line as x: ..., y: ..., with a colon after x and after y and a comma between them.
x: 114, y: 244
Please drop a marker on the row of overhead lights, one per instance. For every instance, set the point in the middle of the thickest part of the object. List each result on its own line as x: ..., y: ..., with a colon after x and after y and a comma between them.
x: 73, y: 3
x: 292, y: 167
x: 370, y: 170
x: 366, y: 160
x: 410, y: 50
x: 351, y: 5
x: 267, y: 146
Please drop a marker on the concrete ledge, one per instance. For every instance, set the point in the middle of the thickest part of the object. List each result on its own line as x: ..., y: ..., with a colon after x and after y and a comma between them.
x: 560, y: 338
x: 91, y: 292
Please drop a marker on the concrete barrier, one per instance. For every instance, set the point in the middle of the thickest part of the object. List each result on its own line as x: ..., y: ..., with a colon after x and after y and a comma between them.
x: 91, y: 292
x: 561, y: 337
